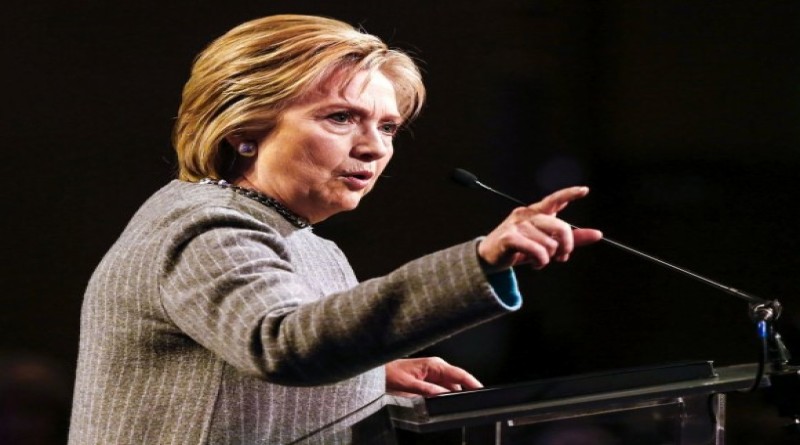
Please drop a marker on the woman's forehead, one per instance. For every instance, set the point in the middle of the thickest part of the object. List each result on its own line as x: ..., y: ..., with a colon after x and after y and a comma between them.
x: 350, y: 85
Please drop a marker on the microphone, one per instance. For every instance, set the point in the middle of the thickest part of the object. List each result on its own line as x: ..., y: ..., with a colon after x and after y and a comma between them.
x: 766, y: 308
x: 782, y: 386
x: 763, y: 312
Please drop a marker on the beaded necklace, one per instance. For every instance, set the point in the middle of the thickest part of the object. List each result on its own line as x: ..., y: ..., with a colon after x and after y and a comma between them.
x: 290, y: 216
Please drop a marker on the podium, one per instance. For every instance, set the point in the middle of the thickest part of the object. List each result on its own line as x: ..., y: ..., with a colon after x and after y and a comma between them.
x: 676, y: 404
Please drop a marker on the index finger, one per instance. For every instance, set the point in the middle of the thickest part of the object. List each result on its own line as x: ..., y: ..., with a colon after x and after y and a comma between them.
x: 556, y: 201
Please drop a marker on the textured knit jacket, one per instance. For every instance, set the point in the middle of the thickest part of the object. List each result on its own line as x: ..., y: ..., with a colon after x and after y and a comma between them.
x: 213, y: 320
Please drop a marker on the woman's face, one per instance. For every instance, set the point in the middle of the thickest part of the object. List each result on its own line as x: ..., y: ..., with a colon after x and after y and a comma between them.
x: 327, y: 151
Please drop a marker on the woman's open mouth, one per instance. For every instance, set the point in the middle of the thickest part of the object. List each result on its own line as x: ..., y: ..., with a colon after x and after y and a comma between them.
x: 357, y: 180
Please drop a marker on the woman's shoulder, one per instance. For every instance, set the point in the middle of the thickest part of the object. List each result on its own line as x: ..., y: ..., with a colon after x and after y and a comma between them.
x: 177, y: 193
x: 180, y: 198
x: 198, y: 203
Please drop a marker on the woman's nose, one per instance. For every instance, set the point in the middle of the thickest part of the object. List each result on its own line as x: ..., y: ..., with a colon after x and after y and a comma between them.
x: 371, y: 144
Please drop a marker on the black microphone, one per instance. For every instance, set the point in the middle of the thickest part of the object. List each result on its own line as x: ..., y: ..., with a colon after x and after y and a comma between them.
x: 783, y: 376
x: 468, y: 179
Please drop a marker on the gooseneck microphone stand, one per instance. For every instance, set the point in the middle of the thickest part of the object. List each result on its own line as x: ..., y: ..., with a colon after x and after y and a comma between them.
x: 783, y: 388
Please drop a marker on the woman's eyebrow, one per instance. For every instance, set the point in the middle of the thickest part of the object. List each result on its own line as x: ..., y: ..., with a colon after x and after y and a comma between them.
x: 359, y: 110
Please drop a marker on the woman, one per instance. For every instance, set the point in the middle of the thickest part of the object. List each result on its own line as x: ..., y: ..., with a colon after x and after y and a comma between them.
x: 218, y: 317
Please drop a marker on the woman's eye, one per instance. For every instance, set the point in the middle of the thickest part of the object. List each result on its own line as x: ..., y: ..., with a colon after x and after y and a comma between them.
x: 340, y: 117
x: 389, y: 128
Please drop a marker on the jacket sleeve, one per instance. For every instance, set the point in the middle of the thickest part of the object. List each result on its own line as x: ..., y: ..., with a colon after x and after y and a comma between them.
x: 229, y: 284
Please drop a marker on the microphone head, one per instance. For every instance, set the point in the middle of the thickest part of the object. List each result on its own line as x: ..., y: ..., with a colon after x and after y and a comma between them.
x: 465, y: 178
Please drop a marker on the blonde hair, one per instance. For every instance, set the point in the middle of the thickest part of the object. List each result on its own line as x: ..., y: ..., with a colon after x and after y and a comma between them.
x: 242, y: 82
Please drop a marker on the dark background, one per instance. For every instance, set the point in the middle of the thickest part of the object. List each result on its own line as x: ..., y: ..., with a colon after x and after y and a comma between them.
x: 682, y: 116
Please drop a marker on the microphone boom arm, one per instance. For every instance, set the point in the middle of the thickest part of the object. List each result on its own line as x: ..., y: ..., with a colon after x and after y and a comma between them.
x: 784, y: 382
x: 465, y: 178
x: 761, y: 310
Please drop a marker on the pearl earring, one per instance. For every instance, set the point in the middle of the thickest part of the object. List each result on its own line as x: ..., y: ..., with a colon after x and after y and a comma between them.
x: 247, y: 149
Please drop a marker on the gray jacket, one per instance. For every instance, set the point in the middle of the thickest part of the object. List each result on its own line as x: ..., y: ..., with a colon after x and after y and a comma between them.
x: 213, y: 320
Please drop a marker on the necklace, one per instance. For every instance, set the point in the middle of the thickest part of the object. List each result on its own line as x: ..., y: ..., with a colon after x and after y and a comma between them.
x: 290, y: 216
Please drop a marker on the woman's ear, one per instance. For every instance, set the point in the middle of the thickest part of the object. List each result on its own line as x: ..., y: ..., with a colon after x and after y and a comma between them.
x: 242, y: 145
